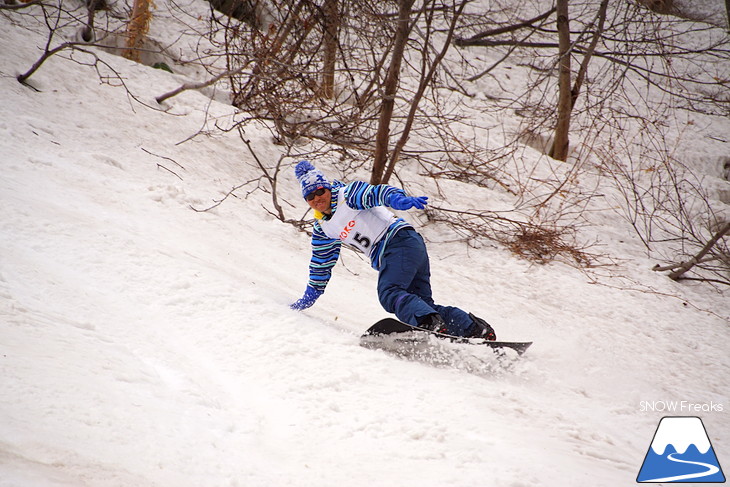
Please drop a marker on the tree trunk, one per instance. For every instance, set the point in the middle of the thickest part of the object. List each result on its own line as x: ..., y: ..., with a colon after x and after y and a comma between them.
x: 426, y: 79
x: 389, y: 90
x: 137, y: 28
x: 331, y: 21
x: 559, y: 149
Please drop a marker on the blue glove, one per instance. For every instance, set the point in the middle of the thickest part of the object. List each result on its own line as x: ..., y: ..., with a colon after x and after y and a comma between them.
x: 310, y: 296
x: 400, y: 201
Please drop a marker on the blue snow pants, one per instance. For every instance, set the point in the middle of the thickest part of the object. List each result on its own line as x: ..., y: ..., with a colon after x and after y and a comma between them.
x: 404, y: 285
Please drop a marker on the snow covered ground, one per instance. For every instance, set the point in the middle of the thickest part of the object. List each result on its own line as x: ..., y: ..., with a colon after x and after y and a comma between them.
x: 146, y: 344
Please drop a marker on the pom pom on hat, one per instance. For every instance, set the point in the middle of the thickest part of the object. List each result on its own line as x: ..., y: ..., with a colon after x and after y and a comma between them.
x: 310, y: 178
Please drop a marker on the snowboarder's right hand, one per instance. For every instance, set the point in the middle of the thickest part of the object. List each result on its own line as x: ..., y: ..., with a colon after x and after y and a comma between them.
x: 310, y: 296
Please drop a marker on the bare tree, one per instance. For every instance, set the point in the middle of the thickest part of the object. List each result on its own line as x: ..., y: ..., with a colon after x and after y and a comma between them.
x: 626, y: 44
x: 279, y: 73
x: 638, y: 70
x: 390, y: 87
x: 56, y: 19
x: 667, y: 204
x: 428, y: 71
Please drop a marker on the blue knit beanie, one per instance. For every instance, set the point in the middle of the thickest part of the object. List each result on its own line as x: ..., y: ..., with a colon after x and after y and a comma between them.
x: 310, y: 178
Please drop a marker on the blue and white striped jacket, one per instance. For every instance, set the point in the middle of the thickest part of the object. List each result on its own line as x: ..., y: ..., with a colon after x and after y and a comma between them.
x: 326, y: 251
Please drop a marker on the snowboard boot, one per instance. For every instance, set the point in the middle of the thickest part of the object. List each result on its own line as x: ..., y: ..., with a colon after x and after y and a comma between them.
x: 433, y: 322
x: 481, y: 329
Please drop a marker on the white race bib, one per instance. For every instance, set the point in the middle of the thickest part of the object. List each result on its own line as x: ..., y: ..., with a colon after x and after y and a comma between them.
x: 361, y: 229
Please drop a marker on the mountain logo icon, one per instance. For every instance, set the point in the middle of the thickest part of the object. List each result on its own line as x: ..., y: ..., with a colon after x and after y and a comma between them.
x: 680, y: 452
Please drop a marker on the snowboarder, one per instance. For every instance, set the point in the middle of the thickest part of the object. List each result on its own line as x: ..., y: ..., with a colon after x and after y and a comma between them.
x: 356, y: 214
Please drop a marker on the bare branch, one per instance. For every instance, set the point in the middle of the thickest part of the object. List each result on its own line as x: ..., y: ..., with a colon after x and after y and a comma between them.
x: 22, y: 78
x: 475, y: 40
x: 697, y: 258
x: 198, y: 86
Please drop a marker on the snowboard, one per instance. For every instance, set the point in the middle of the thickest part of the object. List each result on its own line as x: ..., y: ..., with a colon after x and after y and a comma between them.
x: 394, y: 328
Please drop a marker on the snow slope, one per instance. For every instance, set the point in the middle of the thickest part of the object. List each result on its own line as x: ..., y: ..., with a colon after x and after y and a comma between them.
x: 143, y: 343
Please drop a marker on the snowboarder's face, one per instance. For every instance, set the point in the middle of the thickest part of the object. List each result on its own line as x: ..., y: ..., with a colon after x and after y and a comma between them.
x: 321, y: 200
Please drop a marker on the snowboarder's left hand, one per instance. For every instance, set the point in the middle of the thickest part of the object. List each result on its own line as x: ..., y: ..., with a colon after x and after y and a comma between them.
x: 310, y: 296
x: 402, y: 202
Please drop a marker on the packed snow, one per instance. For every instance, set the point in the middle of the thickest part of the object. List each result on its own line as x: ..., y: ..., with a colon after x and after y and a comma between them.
x: 146, y: 344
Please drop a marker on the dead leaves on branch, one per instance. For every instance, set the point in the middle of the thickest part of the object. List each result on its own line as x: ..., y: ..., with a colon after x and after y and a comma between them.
x: 538, y: 242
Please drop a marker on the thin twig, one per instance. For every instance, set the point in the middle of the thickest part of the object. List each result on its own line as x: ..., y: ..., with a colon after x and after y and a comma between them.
x: 168, y: 170
x: 164, y: 157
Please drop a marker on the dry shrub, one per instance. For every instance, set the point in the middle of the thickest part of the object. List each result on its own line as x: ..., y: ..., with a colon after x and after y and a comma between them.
x: 545, y: 244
